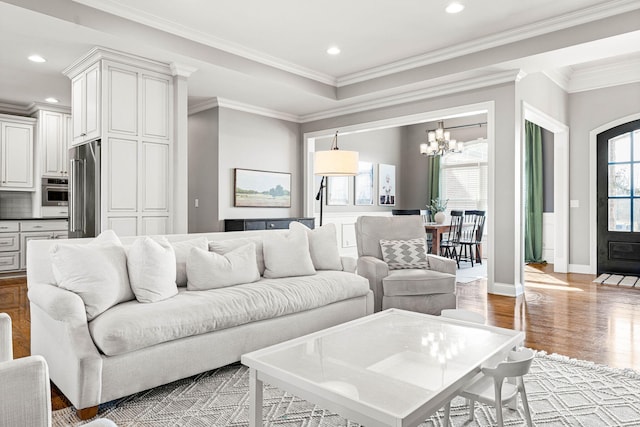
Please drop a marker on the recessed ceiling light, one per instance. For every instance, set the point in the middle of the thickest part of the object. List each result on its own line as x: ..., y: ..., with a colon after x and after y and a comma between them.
x: 333, y: 50
x: 455, y: 7
x: 52, y: 100
x: 37, y: 58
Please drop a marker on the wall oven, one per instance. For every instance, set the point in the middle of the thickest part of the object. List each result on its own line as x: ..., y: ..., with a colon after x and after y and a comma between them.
x: 55, y: 191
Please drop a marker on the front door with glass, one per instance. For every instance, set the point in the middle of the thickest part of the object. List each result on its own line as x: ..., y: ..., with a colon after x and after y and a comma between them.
x: 618, y: 172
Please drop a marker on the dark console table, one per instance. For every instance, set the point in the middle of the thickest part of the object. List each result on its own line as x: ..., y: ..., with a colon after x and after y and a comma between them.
x: 264, y: 223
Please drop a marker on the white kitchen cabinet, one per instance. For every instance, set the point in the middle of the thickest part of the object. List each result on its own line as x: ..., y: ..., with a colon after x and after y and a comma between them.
x: 54, y: 134
x: 16, y: 153
x: 135, y: 122
x: 39, y: 230
x: 85, y: 105
x: 9, y: 245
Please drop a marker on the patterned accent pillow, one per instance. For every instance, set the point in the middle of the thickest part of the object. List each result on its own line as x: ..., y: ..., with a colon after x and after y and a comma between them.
x: 402, y: 254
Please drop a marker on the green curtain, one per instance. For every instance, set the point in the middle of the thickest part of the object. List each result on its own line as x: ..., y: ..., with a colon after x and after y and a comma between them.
x: 433, y: 170
x: 533, y: 193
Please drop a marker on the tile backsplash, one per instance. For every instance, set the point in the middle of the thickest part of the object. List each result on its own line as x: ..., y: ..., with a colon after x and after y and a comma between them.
x: 15, y: 204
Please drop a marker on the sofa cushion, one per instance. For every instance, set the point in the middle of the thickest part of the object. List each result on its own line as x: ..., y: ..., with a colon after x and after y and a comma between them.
x: 418, y: 282
x: 132, y: 326
x: 323, y: 245
x: 287, y: 255
x: 209, y: 270
x: 224, y: 246
x: 182, y: 250
x: 152, y: 269
x: 400, y: 254
x: 97, y: 272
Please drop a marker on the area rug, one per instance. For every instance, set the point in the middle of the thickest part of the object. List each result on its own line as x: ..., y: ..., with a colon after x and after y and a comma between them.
x: 561, y: 391
x: 466, y: 273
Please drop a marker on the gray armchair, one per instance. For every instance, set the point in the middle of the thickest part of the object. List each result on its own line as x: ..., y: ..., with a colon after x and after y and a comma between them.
x: 25, y: 391
x: 423, y: 290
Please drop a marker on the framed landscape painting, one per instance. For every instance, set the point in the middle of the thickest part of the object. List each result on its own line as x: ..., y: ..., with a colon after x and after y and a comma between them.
x: 261, y: 189
x: 387, y: 185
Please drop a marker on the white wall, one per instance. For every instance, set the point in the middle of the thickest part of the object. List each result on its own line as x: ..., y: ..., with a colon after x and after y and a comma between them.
x: 249, y: 141
x: 590, y: 110
x: 203, y: 171
x: 376, y: 146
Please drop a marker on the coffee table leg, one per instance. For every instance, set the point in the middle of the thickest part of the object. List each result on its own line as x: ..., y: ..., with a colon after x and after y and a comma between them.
x: 255, y: 399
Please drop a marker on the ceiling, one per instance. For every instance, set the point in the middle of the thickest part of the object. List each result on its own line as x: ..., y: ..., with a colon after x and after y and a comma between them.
x: 271, y: 55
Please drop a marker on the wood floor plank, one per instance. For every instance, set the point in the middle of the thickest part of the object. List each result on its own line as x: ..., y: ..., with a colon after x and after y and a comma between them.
x: 567, y: 314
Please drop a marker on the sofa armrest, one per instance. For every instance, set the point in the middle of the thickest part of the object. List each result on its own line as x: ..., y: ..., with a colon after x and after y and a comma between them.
x: 374, y: 270
x: 60, y: 304
x: 442, y: 264
x: 349, y: 264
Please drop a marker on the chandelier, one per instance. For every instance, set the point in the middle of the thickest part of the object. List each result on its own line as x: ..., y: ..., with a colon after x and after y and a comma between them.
x: 439, y: 142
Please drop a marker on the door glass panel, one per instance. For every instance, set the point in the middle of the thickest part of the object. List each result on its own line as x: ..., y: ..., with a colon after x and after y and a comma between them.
x: 620, y: 148
x: 636, y: 146
x: 636, y: 181
x: 619, y: 180
x: 636, y: 215
x: 619, y: 214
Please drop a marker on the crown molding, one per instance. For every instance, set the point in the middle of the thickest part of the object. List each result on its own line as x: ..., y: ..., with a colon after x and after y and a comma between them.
x: 34, y: 107
x: 560, y: 76
x: 613, y: 73
x: 557, y: 23
x: 8, y: 108
x: 421, y: 94
x: 98, y: 53
x: 416, y: 95
x: 240, y: 106
x: 171, y: 27
x: 181, y: 70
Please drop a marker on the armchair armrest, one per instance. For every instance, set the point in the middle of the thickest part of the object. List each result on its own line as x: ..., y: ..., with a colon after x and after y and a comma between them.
x: 374, y: 270
x: 6, y: 346
x: 25, y: 394
x: 349, y: 264
x: 442, y: 264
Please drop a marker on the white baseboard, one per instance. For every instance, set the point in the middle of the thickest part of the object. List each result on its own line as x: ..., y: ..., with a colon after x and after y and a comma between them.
x: 580, y: 269
x: 506, y: 289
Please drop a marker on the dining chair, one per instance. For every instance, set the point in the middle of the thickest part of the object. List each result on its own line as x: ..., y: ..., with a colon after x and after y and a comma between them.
x: 450, y: 244
x: 471, y: 236
x: 490, y: 386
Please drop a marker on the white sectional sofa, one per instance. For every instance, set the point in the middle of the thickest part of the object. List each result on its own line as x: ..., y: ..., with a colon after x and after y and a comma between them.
x: 133, y: 346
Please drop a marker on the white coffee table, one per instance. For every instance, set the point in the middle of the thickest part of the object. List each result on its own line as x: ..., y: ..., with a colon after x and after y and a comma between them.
x: 393, y: 368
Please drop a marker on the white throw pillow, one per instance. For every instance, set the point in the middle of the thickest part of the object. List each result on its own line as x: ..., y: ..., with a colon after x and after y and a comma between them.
x: 152, y: 269
x: 287, y: 255
x: 97, y: 272
x: 402, y: 254
x: 224, y: 246
x: 323, y: 246
x: 182, y: 250
x: 209, y: 270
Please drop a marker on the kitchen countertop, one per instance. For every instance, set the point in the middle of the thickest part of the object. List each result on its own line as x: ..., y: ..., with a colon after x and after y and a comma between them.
x: 30, y: 218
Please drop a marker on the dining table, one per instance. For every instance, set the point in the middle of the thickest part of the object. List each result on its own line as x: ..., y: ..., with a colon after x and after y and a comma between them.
x: 436, y: 230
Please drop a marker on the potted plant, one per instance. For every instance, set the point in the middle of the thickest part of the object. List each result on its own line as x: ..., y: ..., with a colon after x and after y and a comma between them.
x: 437, y: 208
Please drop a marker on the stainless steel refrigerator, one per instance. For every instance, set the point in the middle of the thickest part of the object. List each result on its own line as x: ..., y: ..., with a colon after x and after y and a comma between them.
x: 84, y: 190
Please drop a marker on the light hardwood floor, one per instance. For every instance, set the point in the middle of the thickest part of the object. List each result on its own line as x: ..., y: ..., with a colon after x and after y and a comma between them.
x: 560, y: 313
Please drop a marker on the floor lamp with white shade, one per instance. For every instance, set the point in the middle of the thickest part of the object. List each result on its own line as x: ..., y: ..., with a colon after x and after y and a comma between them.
x: 334, y: 162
